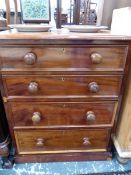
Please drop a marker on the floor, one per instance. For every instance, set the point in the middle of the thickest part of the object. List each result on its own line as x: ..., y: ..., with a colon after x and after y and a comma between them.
x: 67, y: 168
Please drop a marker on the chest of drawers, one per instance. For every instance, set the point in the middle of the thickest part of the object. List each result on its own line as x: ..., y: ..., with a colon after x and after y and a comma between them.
x: 62, y: 95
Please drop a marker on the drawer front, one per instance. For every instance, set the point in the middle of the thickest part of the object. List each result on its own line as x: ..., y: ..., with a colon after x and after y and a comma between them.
x: 49, y: 141
x: 82, y: 58
x: 62, y: 114
x: 63, y: 85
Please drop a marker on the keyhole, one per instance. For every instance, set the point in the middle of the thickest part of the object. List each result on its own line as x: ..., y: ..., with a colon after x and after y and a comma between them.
x: 63, y: 79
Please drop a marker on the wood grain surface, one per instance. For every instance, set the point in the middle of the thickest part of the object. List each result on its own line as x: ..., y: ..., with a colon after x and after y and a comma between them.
x: 63, y: 114
x: 63, y: 85
x: 60, y: 140
x: 64, y: 57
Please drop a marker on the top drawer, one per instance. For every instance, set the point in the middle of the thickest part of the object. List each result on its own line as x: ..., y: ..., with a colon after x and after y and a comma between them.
x: 66, y: 58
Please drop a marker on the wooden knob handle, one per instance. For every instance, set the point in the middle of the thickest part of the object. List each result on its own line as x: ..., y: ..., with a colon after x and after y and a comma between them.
x: 40, y: 142
x: 86, y: 141
x: 96, y: 58
x: 33, y: 87
x: 93, y: 87
x: 36, y: 117
x: 30, y: 58
x: 90, y: 116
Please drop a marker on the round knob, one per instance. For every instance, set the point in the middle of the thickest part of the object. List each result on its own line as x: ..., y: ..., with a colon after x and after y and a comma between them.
x: 30, y: 58
x: 96, y: 58
x: 40, y: 142
x: 33, y: 87
x: 90, y: 116
x: 36, y: 117
x: 86, y: 141
x: 93, y: 87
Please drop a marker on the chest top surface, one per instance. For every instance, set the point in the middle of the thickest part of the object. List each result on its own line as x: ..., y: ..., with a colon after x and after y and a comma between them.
x: 60, y: 37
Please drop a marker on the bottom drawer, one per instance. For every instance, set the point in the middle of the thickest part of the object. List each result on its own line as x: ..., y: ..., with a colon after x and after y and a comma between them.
x: 61, y: 141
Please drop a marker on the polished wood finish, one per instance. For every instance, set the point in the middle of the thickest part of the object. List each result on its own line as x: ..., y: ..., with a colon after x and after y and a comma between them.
x: 63, y: 157
x: 62, y: 85
x: 57, y: 38
x: 63, y: 114
x: 63, y: 90
x: 64, y: 57
x: 60, y: 141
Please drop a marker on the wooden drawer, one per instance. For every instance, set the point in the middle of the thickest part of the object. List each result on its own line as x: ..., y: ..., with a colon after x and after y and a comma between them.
x: 81, y: 86
x: 85, y: 58
x: 63, y: 114
x: 58, y: 141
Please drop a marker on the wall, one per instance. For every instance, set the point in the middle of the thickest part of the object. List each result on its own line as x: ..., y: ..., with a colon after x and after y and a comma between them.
x: 109, y: 6
x: 123, y: 3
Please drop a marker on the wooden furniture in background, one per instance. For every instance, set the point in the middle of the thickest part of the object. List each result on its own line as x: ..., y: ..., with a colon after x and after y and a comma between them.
x: 5, y: 141
x: 62, y: 93
x: 122, y: 138
x: 7, y: 3
x: 8, y: 11
x: 81, y: 15
x: 61, y: 18
x: 64, y: 18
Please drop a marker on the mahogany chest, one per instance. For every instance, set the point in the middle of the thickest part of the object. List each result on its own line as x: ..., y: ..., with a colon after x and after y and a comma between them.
x: 62, y: 93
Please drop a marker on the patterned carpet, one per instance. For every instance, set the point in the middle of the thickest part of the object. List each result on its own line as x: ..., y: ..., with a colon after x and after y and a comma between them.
x: 70, y: 168
x: 113, y: 173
